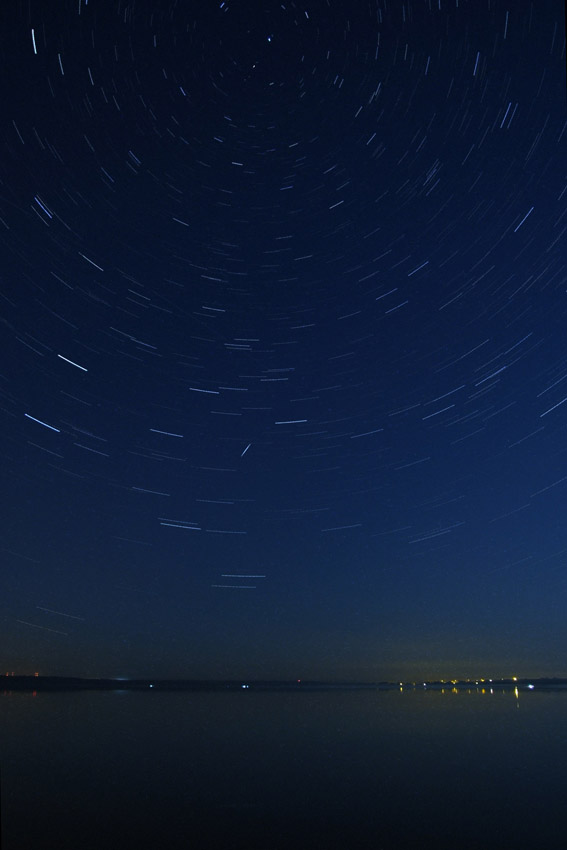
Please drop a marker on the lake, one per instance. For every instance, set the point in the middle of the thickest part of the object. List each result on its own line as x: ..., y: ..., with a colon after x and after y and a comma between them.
x: 247, y: 770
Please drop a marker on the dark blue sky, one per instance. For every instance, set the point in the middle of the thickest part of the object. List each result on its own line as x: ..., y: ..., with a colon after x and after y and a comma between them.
x: 284, y: 339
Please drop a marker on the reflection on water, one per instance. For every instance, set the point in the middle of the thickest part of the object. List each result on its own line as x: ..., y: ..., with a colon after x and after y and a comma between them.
x: 392, y: 769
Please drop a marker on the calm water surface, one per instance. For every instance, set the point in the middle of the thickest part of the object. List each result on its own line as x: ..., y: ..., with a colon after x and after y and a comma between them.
x: 264, y: 771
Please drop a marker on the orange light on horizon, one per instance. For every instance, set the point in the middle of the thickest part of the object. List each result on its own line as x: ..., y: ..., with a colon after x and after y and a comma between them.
x: 19, y: 674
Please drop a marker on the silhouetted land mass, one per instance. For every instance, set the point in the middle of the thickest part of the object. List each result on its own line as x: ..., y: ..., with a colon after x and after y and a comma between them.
x: 63, y: 683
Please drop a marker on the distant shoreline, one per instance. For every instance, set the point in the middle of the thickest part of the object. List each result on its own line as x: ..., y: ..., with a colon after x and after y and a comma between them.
x: 62, y: 683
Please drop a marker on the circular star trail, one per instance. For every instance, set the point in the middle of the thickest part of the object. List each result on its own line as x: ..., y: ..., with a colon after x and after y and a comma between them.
x: 284, y: 364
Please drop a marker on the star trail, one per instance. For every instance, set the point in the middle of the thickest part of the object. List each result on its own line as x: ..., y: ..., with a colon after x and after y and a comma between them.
x: 284, y: 309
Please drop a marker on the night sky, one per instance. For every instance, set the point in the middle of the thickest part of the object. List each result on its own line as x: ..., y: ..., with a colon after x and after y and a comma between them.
x: 284, y: 339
